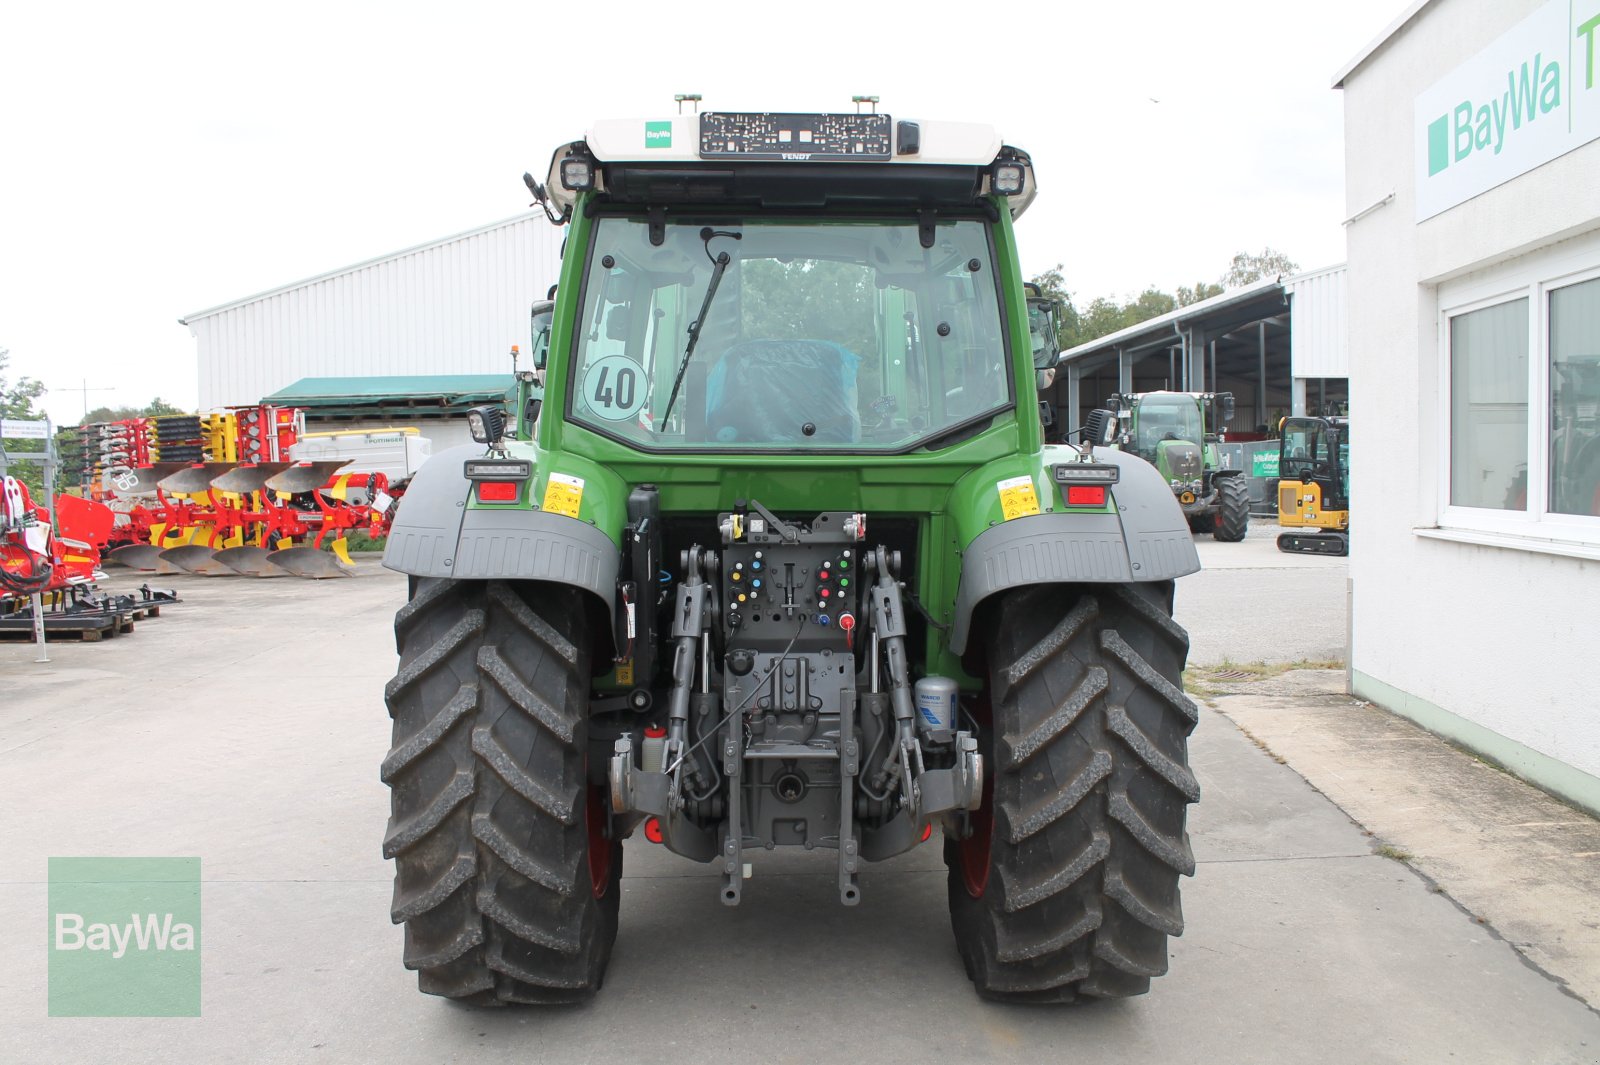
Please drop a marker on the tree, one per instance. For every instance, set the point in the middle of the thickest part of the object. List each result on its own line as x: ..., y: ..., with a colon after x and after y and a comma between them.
x: 16, y: 401
x: 154, y: 409
x: 1203, y: 290
x: 1068, y: 326
x: 1246, y: 268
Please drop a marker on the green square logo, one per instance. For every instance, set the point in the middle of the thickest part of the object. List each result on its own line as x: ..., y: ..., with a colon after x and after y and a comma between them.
x: 124, y: 937
x: 658, y: 134
x: 1438, y: 144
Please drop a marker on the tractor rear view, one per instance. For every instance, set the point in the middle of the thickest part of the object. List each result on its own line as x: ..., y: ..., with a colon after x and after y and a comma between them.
x: 1178, y: 433
x: 784, y: 561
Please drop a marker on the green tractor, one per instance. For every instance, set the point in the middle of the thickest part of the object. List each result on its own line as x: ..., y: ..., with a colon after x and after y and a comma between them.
x: 784, y: 561
x: 1178, y: 433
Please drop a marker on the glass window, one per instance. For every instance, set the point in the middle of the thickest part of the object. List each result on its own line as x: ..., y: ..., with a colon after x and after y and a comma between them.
x: 1489, y: 407
x: 1162, y: 418
x: 842, y: 335
x: 1575, y: 399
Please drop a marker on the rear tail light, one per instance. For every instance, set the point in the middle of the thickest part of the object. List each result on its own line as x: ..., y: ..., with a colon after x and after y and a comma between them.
x: 1086, y: 495
x: 498, y: 491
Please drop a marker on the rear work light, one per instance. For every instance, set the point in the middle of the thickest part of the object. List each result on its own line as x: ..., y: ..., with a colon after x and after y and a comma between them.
x: 498, y: 491
x: 1086, y: 495
x: 1085, y: 473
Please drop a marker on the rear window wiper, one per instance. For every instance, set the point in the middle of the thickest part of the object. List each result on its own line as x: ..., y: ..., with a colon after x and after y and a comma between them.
x: 719, y: 266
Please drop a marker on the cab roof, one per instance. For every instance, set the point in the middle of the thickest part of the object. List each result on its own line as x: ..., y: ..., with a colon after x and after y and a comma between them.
x: 793, y: 159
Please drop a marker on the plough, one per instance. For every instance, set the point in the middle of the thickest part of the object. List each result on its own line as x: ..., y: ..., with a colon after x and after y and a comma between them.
x: 220, y: 494
x: 274, y: 520
x: 59, y: 563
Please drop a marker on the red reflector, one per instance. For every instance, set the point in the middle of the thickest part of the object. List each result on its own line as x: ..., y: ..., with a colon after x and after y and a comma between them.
x: 652, y: 830
x: 497, y: 491
x: 927, y: 832
x: 1086, y: 495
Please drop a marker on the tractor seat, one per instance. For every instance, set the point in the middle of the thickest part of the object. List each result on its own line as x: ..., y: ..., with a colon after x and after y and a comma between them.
x: 768, y: 391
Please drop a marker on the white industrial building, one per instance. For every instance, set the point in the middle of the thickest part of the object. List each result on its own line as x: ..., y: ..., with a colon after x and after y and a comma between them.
x: 452, y: 306
x: 1472, y: 177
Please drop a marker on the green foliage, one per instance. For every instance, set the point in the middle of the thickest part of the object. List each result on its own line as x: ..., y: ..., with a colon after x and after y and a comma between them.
x: 16, y: 401
x: 1247, y: 269
x: 154, y: 408
x: 1203, y: 290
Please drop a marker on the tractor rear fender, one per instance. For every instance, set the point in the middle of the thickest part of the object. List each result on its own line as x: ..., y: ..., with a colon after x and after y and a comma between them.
x: 1146, y: 539
x: 438, y: 532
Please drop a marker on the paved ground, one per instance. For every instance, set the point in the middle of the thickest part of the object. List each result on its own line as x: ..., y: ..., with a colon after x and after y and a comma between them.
x: 1525, y: 863
x: 246, y: 727
x: 1254, y: 603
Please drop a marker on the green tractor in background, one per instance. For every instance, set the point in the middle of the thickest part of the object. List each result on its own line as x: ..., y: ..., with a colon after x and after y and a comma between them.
x: 784, y: 560
x: 1178, y: 434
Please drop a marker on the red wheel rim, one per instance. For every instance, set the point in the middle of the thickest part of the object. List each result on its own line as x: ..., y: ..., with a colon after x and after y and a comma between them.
x: 599, y: 845
x: 975, y: 848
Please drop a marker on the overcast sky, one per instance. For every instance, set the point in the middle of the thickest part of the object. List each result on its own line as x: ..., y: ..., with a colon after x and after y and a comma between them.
x: 157, y: 159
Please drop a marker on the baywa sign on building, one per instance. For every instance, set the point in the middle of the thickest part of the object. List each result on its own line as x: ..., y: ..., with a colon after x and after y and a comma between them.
x: 1524, y: 100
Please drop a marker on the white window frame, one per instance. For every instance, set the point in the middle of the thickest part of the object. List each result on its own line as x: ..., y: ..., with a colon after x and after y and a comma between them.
x: 1532, y: 277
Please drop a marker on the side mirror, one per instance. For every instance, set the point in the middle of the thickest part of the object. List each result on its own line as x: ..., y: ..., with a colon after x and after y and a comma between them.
x: 1225, y: 401
x: 1047, y: 413
x: 1099, y: 428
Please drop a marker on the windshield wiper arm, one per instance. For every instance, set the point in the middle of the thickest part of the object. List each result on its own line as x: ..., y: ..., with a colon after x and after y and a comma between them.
x: 719, y: 267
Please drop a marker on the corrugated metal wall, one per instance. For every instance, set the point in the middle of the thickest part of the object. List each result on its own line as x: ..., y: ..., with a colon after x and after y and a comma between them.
x: 1317, y: 339
x: 455, y: 306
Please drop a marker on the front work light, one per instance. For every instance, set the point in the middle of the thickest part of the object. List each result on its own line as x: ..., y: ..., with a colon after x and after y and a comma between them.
x: 577, y: 174
x: 1006, y: 179
x: 486, y: 424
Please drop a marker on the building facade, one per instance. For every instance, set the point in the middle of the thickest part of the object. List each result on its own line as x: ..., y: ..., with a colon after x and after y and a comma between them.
x: 1472, y: 141
x: 452, y: 306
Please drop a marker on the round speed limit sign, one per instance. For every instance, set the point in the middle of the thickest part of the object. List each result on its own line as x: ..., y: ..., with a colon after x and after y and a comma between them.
x: 613, y: 387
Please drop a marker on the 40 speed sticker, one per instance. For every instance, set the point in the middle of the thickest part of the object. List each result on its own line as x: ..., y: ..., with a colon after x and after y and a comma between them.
x: 1017, y: 497
x: 562, y: 494
x: 613, y: 387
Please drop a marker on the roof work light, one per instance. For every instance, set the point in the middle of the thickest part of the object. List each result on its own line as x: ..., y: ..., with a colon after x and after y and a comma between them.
x: 577, y: 173
x: 1006, y: 178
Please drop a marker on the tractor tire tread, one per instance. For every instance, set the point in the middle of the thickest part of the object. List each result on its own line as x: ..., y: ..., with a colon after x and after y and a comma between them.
x: 1088, y: 732
x: 488, y: 781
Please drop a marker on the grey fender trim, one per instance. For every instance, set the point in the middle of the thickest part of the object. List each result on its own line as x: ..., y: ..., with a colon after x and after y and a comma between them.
x: 422, y: 540
x: 435, y: 535
x: 533, y: 545
x: 1148, y: 539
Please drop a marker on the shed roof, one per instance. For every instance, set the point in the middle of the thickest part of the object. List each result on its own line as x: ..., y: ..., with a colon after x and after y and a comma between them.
x: 1267, y: 287
x: 429, y: 393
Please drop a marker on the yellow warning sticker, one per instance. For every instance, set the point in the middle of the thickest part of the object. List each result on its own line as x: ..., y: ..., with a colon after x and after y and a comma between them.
x: 625, y: 672
x: 562, y: 494
x: 1017, y: 497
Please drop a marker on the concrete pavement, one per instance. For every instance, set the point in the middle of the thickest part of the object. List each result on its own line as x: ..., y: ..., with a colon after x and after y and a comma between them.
x: 245, y: 726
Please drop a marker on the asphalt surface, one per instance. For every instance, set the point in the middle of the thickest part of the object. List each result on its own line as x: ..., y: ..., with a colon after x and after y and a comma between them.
x: 1253, y: 603
x: 245, y: 726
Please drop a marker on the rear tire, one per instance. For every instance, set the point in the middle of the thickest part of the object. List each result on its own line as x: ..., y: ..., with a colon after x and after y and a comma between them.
x: 1068, y: 886
x: 1233, y: 510
x: 504, y: 877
